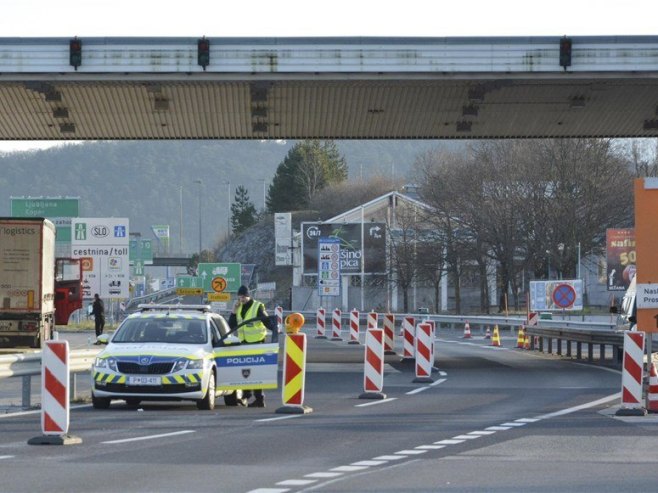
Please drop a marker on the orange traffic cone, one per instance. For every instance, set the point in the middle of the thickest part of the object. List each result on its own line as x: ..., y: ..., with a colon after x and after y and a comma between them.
x: 652, y: 391
x: 526, y: 342
x: 495, y: 340
x: 520, y: 340
x: 487, y: 335
x: 467, y: 330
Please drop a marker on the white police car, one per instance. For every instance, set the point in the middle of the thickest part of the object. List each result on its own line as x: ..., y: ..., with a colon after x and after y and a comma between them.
x: 179, y: 352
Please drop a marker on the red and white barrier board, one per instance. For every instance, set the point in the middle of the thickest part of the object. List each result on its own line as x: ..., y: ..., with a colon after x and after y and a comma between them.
x: 632, y: 373
x: 389, y: 333
x: 320, y: 324
x: 373, y: 374
x: 533, y: 318
x: 372, y: 320
x: 409, y: 336
x: 278, y: 311
x: 354, y: 327
x: 294, y: 375
x: 424, y: 357
x: 336, y: 325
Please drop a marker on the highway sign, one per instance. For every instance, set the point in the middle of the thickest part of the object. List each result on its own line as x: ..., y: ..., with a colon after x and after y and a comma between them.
x: 218, y: 284
x: 564, y: 296
x: 556, y: 295
x: 219, y: 297
x: 189, y: 291
x: 230, y: 272
x: 329, y: 266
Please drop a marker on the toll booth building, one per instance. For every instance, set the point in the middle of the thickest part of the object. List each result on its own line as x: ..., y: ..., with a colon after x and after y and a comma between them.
x: 379, y: 250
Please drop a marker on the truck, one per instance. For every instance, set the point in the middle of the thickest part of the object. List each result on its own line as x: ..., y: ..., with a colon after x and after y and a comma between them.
x: 30, y: 282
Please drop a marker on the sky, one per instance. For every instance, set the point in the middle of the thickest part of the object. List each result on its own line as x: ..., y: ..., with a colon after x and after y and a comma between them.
x: 281, y: 18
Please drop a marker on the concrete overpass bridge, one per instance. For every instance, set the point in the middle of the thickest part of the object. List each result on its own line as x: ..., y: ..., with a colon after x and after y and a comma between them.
x: 339, y: 88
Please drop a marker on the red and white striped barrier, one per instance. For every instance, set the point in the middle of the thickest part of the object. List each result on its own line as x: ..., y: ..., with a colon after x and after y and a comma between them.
x: 294, y: 375
x: 55, y: 383
x: 373, y: 317
x: 389, y: 333
x: 336, y: 325
x: 652, y: 390
x: 278, y: 311
x: 408, y: 337
x: 373, y: 371
x: 354, y: 327
x: 533, y: 319
x: 424, y: 360
x: 320, y: 323
x: 632, y: 373
x: 467, y: 331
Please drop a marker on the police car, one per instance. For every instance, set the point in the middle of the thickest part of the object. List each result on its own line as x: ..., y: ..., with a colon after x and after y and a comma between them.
x: 179, y: 352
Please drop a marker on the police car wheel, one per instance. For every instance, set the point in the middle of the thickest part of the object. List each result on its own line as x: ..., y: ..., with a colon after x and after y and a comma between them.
x: 100, y: 402
x: 208, y: 402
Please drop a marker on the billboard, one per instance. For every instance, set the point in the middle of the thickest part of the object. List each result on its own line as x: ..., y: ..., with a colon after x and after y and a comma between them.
x: 620, y: 255
x: 352, y: 253
x: 556, y: 295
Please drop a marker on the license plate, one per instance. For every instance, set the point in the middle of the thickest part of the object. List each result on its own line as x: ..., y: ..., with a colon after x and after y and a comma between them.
x: 144, y: 380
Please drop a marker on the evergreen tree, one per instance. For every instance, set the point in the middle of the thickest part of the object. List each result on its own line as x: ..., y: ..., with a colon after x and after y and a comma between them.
x: 243, y: 211
x: 309, y: 167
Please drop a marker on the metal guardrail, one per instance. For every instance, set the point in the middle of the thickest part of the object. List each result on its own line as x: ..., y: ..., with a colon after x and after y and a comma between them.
x: 29, y: 365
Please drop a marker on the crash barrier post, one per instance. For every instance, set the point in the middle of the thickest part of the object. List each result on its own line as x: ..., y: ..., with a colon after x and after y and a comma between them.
x: 495, y: 339
x: 389, y: 333
x: 372, y: 320
x: 467, y: 331
x: 294, y: 367
x: 320, y: 323
x: 354, y: 327
x: 652, y: 390
x: 336, y: 325
x: 520, y: 339
x: 423, y: 352
x: 278, y: 311
x: 408, y: 338
x: 632, y: 373
x: 55, y: 396
x: 373, y: 372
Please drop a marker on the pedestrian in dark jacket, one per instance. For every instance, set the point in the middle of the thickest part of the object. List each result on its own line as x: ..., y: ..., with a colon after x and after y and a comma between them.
x: 98, y: 311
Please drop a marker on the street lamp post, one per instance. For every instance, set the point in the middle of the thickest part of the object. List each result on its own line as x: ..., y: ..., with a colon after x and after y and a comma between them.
x: 560, y: 248
x: 200, y: 183
x: 180, y: 189
x: 228, y: 210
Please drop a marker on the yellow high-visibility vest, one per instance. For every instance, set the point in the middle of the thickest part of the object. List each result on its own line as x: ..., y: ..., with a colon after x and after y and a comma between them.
x: 254, y: 331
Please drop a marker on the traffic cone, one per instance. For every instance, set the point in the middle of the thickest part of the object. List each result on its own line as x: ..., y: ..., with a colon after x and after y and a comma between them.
x: 526, y: 342
x: 652, y: 391
x: 520, y: 340
x: 467, y: 330
x: 487, y: 335
x: 495, y: 340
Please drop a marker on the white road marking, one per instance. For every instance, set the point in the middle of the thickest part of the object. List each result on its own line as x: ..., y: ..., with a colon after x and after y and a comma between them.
x: 581, y: 407
x: 368, y: 463
x: 481, y: 432
x: 416, y: 391
x: 449, y: 442
x: 7, y: 456
x: 466, y: 437
x: 269, y: 490
x: 441, y: 380
x: 297, y: 482
x: 38, y: 411
x: 388, y: 457
x: 323, y: 475
x: 513, y: 424
x: 348, y: 468
x: 380, y: 401
x: 498, y: 428
x: 279, y: 418
x: 430, y: 447
x: 151, y: 437
x: 411, y: 452
x: 526, y: 420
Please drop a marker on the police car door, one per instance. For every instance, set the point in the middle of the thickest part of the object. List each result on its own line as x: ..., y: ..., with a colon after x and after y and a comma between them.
x: 245, y: 366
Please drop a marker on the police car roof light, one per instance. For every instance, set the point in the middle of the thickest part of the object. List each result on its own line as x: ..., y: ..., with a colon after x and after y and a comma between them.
x: 154, y: 307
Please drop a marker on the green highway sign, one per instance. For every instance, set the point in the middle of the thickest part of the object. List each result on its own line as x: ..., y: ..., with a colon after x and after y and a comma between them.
x: 220, y: 277
x: 141, y: 250
x: 58, y: 210
x: 188, y: 282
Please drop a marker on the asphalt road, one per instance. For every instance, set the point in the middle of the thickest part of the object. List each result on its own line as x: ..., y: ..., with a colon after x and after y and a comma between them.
x: 494, y: 419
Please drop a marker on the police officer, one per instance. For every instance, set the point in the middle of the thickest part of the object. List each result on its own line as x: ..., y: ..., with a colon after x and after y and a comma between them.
x: 247, y: 308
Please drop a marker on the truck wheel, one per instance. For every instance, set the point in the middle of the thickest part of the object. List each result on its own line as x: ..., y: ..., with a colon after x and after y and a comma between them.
x: 100, y: 402
x: 208, y: 402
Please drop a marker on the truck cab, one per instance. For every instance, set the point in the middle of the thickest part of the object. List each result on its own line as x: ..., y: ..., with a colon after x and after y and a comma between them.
x: 68, y: 288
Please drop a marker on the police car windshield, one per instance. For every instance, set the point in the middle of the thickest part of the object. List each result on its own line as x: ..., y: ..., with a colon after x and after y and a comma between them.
x: 163, y: 330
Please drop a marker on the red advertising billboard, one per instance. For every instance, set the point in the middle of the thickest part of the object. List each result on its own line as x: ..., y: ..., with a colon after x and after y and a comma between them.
x: 620, y: 253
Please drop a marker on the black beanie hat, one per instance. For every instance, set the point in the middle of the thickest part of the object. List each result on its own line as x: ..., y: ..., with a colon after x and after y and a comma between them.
x: 243, y: 291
